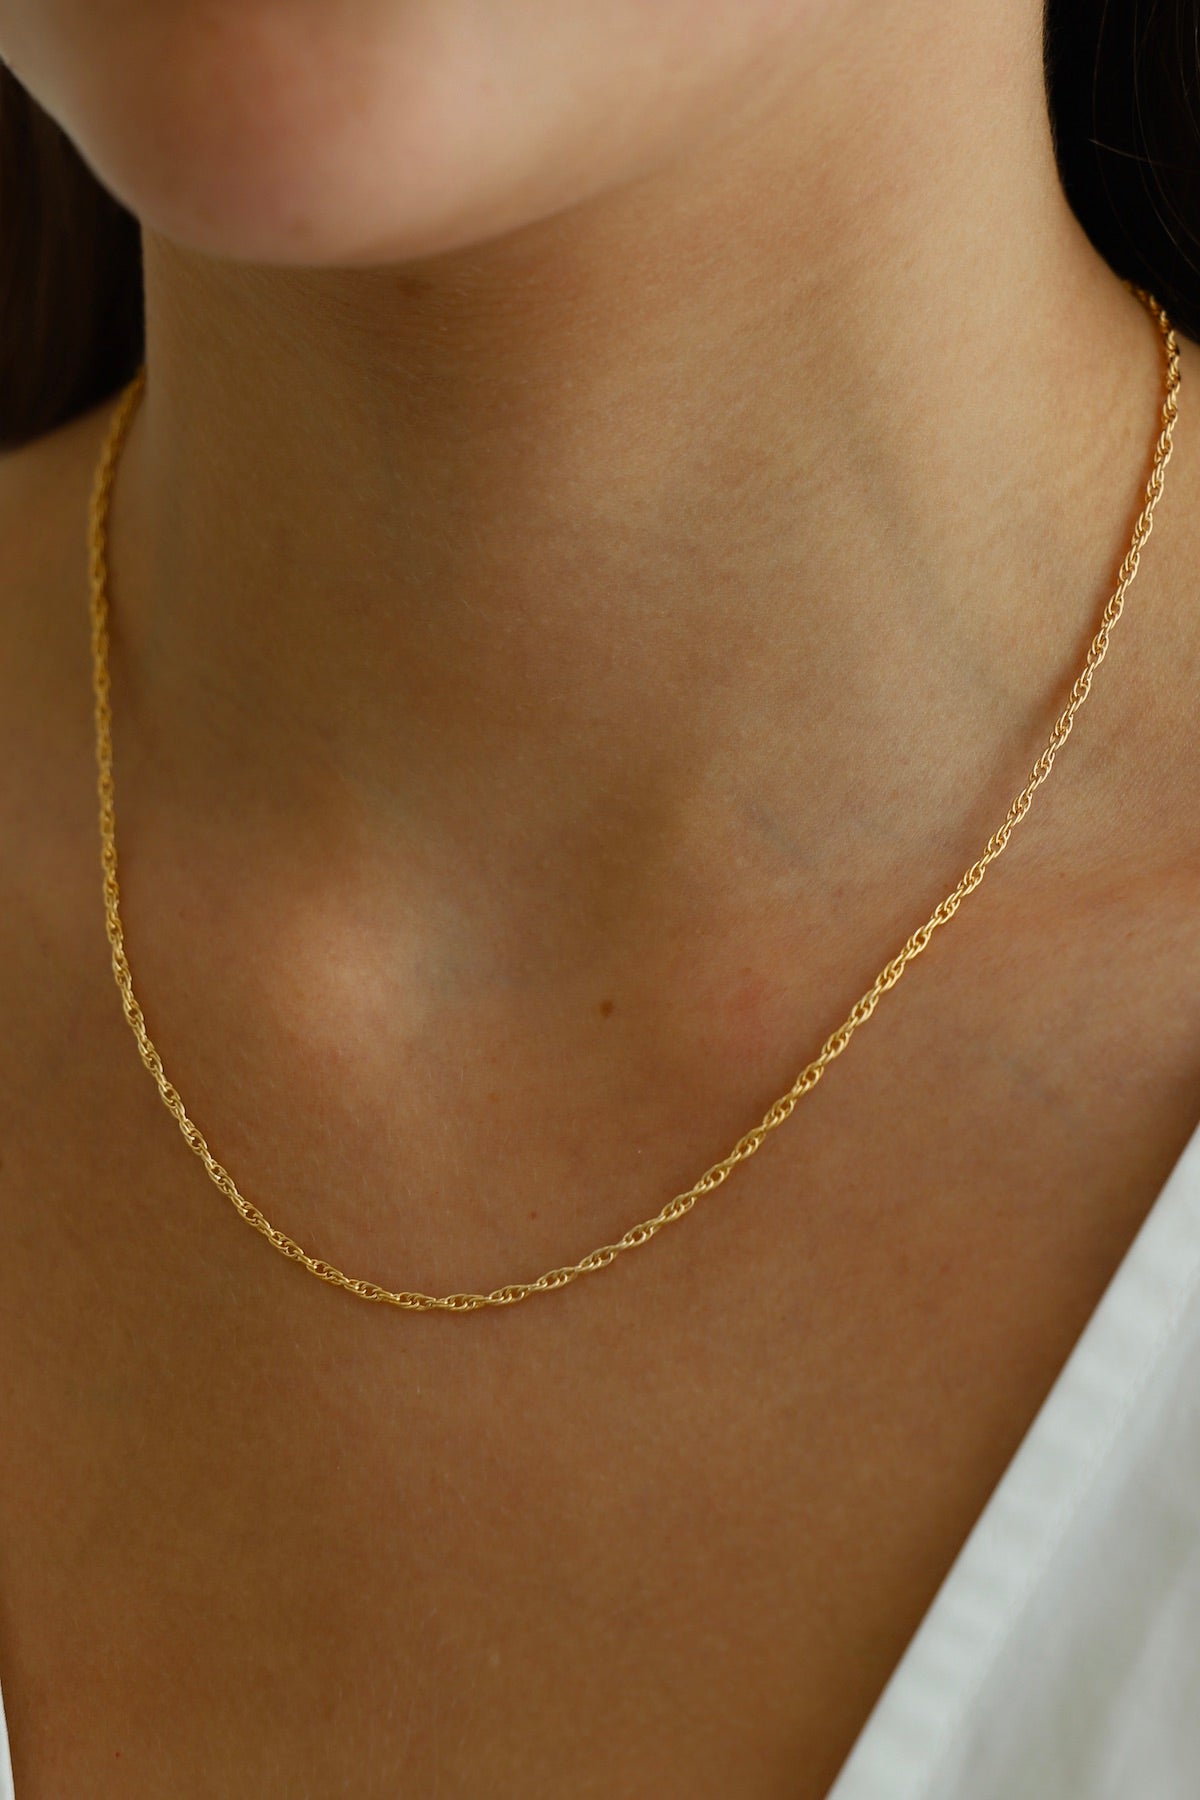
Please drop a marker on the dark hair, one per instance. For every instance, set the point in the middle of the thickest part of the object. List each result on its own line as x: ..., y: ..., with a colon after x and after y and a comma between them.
x: 71, y: 326
x: 1123, y: 88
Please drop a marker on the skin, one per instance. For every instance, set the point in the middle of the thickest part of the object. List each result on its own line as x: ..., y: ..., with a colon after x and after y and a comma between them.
x: 311, y: 133
x: 762, y: 483
x: 621, y: 495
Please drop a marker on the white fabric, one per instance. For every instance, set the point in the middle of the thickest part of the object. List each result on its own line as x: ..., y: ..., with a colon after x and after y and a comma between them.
x: 1061, y: 1658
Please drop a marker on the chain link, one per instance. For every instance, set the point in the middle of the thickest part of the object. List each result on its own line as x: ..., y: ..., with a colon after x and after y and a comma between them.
x: 809, y: 1076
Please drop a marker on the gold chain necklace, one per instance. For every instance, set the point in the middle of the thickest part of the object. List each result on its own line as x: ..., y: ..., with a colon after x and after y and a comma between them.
x: 808, y: 1077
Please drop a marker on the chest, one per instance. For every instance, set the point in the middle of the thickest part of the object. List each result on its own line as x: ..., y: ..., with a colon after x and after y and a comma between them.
x: 668, y: 1531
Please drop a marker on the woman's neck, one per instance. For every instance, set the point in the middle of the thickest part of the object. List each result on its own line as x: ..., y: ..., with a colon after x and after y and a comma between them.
x: 729, y: 493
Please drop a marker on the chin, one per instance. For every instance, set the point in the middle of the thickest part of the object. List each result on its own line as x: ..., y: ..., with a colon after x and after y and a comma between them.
x: 263, y: 133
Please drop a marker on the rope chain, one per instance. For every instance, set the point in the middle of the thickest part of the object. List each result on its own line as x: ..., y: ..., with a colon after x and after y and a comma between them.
x: 809, y: 1076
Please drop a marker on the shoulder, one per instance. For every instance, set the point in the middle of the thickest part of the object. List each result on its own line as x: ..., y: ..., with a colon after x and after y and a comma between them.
x: 51, y: 920
x: 1151, y: 692
x: 46, y: 780
x: 44, y: 491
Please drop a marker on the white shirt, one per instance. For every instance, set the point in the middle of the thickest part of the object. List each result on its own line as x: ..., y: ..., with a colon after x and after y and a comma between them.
x: 1060, y: 1659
